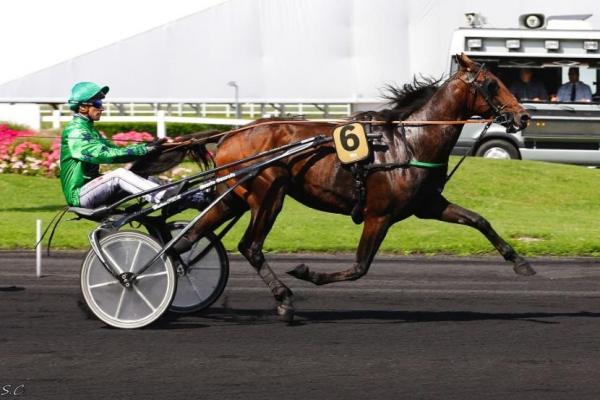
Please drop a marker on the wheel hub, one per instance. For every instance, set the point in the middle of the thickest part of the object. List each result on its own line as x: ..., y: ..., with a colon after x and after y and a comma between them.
x: 127, y: 279
x: 497, y: 152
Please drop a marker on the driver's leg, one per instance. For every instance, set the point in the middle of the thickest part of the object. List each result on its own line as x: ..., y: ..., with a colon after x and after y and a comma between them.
x: 98, y: 191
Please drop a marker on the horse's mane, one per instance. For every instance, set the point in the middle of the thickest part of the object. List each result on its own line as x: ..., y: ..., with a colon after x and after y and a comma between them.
x: 270, y: 119
x: 403, y: 100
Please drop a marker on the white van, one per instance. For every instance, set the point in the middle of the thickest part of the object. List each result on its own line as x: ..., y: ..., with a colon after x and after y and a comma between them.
x: 560, y: 131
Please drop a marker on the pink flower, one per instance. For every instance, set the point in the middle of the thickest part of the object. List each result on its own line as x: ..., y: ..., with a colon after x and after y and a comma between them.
x: 27, y: 157
x: 23, y: 147
x: 131, y: 137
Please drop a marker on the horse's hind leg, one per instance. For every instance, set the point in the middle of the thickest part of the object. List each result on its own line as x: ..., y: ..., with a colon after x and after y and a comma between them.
x: 214, y: 218
x: 263, y: 211
x: 374, y: 231
x: 441, y: 209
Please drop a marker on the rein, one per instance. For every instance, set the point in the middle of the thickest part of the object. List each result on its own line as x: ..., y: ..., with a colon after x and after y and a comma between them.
x: 475, y: 143
x: 336, y: 122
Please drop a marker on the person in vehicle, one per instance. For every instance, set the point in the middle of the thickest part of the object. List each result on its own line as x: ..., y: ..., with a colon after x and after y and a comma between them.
x: 527, y: 88
x: 83, y: 149
x: 574, y: 90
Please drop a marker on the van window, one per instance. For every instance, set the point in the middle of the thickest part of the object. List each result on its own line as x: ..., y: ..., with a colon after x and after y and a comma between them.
x: 550, y: 73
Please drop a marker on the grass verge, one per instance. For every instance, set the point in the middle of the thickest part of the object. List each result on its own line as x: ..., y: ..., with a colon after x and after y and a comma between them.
x: 540, y: 208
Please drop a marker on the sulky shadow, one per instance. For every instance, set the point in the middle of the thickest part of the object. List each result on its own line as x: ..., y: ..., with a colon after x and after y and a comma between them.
x: 49, y: 207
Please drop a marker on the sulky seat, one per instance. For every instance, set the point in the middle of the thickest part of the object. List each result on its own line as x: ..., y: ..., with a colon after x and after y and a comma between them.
x: 94, y: 214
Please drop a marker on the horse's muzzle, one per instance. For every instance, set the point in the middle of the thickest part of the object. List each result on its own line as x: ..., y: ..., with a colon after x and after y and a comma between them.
x: 513, y: 122
x: 524, y: 119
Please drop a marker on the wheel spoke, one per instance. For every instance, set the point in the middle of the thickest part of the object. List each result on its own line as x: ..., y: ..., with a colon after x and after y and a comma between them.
x: 97, y: 285
x: 135, y: 256
x: 151, y: 275
x: 201, y: 254
x: 120, y: 303
x: 194, y: 287
x: 113, y: 262
x: 138, y: 291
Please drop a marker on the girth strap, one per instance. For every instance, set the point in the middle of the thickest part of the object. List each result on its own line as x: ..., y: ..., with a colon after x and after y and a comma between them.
x: 359, y: 176
x: 360, y: 171
x: 411, y: 163
x: 423, y: 164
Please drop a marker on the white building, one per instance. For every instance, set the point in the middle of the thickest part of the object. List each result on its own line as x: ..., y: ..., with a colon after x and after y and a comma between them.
x: 313, y: 52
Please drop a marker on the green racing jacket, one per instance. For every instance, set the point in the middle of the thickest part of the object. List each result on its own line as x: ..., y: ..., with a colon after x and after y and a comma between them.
x: 82, y: 151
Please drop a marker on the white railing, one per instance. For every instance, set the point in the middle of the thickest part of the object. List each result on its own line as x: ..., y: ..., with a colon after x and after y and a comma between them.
x: 212, y: 110
x: 203, y: 113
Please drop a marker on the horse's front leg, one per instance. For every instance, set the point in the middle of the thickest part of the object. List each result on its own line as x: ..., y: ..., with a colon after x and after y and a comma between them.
x: 441, y: 209
x: 374, y: 231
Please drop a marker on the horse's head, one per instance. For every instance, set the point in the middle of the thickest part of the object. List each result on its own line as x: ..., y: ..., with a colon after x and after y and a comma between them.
x: 491, y: 97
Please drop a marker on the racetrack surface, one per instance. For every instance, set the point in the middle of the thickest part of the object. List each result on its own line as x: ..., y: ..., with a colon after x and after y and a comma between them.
x: 414, y: 327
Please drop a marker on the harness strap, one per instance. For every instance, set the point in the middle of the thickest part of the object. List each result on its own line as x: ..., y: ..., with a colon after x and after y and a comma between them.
x: 409, y: 164
x: 359, y: 175
x: 427, y: 165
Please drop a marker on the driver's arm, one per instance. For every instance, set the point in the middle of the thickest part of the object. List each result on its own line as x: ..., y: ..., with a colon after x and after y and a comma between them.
x: 87, y: 147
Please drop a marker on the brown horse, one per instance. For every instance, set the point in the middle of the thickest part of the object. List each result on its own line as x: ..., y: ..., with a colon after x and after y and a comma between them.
x: 317, y: 179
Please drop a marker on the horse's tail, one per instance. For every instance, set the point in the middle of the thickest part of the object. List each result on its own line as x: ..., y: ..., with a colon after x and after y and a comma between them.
x: 193, y: 144
x: 198, y: 150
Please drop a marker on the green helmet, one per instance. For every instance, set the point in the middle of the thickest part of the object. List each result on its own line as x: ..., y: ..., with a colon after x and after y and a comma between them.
x: 85, y: 91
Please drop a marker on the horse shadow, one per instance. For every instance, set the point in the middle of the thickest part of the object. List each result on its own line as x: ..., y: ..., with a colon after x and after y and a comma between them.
x: 254, y: 316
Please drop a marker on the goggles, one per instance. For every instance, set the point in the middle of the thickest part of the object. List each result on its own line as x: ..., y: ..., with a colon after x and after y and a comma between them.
x: 95, y: 103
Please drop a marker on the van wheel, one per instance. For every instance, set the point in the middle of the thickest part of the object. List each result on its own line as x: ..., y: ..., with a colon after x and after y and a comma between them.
x: 499, y: 149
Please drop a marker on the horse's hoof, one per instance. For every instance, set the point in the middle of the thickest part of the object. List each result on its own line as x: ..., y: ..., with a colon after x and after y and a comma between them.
x: 299, y: 272
x: 524, y: 268
x: 286, y: 312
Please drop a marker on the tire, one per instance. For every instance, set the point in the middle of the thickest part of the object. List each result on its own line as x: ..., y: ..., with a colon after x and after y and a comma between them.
x: 498, y: 149
x: 149, y: 296
x: 204, y: 282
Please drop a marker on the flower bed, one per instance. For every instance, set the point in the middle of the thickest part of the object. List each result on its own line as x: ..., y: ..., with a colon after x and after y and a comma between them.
x: 131, y: 137
x: 20, y: 155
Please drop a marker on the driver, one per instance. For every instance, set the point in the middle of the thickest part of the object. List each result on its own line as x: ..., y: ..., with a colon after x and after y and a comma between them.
x: 83, y: 149
x: 527, y: 88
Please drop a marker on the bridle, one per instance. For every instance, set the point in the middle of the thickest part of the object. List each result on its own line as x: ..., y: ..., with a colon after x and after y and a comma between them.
x: 484, y: 89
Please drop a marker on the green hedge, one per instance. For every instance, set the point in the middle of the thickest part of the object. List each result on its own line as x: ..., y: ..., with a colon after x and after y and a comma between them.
x: 15, y: 126
x: 173, y: 128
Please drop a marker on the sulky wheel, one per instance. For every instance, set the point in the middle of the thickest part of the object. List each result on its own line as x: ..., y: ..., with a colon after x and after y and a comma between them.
x: 146, y: 299
x: 202, y: 282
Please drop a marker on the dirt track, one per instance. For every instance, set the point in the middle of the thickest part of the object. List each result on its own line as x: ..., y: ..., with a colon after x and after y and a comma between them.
x: 435, y: 328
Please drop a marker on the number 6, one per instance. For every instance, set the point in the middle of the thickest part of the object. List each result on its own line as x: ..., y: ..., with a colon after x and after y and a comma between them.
x: 349, y: 140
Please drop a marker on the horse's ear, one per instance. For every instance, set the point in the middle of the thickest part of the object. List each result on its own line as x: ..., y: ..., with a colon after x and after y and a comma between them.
x: 465, y: 62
